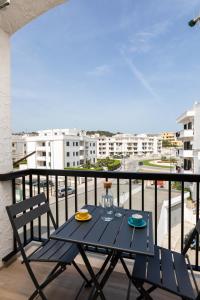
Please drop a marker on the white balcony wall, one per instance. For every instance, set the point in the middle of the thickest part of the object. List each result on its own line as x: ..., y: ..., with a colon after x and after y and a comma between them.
x: 186, y: 133
x: 186, y: 153
x: 5, y: 144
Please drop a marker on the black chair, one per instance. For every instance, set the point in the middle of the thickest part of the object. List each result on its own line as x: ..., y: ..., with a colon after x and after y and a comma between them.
x: 59, y: 252
x: 167, y: 270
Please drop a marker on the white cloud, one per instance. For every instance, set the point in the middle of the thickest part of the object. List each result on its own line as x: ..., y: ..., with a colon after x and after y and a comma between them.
x: 100, y: 70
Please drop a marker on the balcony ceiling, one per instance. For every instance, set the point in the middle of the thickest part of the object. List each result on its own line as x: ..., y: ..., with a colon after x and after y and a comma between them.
x: 21, y: 12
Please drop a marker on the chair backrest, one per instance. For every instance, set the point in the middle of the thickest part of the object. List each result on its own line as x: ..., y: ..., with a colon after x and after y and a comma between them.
x: 193, y: 235
x: 27, y: 211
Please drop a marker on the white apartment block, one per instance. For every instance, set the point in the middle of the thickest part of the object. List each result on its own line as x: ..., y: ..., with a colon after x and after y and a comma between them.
x: 18, y: 147
x: 129, y: 145
x: 190, y: 136
x: 61, y: 148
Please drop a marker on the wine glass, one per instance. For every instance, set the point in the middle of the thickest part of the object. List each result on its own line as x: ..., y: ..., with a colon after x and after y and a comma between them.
x: 119, y: 207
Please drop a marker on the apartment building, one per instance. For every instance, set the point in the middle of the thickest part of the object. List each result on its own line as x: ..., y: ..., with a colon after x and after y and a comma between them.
x: 61, y: 148
x: 18, y: 147
x: 171, y: 138
x: 129, y: 145
x: 190, y: 136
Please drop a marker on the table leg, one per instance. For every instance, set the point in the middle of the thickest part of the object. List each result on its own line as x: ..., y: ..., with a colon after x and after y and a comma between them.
x: 98, y: 274
x: 91, y: 272
x: 114, y: 261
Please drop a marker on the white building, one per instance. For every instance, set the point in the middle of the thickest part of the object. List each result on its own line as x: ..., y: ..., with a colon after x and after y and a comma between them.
x: 129, y: 145
x: 18, y: 147
x: 190, y: 136
x: 61, y: 148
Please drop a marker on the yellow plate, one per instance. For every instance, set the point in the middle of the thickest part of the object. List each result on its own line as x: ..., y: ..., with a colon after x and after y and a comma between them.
x: 78, y: 218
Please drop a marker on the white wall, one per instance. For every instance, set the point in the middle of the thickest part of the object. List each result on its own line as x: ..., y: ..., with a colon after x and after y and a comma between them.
x: 196, y: 143
x: 162, y: 229
x: 5, y: 144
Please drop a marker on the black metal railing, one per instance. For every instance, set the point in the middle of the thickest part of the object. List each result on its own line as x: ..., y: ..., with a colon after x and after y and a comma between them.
x: 30, y: 182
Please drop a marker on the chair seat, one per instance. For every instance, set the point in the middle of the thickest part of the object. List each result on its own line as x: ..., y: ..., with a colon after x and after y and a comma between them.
x: 167, y: 270
x: 55, y: 251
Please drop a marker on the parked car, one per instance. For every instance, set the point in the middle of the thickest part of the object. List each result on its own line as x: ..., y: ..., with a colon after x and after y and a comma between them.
x: 43, y: 183
x: 62, y: 191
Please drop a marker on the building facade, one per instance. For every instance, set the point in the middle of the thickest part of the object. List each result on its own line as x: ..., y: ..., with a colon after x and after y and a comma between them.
x: 61, y: 148
x: 190, y: 136
x: 171, y: 138
x: 129, y: 145
x: 18, y: 147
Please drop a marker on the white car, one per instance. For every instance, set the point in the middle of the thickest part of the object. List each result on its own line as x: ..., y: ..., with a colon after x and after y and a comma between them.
x: 62, y: 191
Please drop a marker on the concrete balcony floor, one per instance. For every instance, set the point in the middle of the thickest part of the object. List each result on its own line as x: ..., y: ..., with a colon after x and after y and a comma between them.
x: 15, y: 283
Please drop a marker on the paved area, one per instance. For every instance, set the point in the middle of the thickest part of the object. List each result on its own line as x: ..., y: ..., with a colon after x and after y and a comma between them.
x: 15, y: 283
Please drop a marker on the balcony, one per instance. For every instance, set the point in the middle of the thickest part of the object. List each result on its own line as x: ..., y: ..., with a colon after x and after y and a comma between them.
x: 41, y: 158
x: 186, y: 117
x: 172, y: 221
x: 186, y: 153
x: 186, y: 134
x: 41, y: 148
x: 66, y: 286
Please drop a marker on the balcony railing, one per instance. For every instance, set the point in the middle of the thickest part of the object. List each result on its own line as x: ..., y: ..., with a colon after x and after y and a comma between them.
x: 144, y: 191
x: 186, y: 133
x: 186, y: 153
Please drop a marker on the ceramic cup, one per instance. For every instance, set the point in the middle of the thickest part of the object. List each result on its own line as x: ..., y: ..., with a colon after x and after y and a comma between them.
x: 83, y: 213
x: 137, y: 219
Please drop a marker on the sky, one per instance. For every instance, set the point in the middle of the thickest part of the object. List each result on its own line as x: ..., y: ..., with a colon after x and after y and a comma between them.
x: 123, y: 66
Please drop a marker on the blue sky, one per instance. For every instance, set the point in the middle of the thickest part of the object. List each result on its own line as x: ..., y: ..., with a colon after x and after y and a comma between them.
x: 125, y: 65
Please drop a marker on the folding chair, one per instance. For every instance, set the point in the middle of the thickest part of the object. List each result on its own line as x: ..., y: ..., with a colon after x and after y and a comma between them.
x: 167, y: 270
x: 59, y: 252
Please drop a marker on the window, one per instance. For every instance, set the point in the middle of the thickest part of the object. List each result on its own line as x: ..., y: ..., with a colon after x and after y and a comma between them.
x: 68, y: 164
x: 50, y: 154
x: 68, y: 154
x: 49, y: 144
x: 76, y: 143
x: 76, y: 153
x: 74, y: 163
x: 93, y: 151
x: 73, y: 143
x: 67, y: 143
x: 49, y: 164
x: 90, y: 152
x: 93, y: 144
x: 77, y: 163
x: 187, y: 164
x: 43, y: 153
x: 43, y: 144
x: 55, y: 133
x: 73, y: 153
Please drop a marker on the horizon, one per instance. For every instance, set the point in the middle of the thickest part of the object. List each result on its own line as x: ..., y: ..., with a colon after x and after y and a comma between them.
x: 127, y: 69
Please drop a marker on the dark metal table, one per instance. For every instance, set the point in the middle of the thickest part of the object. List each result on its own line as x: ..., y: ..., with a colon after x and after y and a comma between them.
x: 115, y: 236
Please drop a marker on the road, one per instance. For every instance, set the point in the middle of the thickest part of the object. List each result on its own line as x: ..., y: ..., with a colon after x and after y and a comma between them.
x: 136, y: 196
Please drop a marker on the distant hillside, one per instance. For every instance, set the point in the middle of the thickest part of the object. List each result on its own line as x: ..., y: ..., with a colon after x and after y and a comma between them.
x: 101, y: 132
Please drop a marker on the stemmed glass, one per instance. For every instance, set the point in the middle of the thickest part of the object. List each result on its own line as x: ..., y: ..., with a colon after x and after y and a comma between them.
x: 120, y: 206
